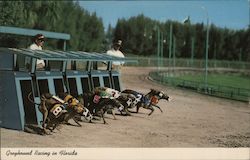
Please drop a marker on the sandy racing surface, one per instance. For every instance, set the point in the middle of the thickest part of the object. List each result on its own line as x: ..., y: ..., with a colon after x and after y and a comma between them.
x: 189, y: 120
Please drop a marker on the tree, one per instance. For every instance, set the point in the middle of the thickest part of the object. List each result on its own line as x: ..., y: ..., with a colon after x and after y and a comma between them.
x: 138, y: 33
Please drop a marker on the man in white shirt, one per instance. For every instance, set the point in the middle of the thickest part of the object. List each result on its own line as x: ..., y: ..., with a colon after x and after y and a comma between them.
x: 38, y: 42
x: 114, y: 51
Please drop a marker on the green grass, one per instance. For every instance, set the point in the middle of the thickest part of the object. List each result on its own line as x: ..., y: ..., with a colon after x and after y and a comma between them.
x: 236, y: 81
x: 231, y: 85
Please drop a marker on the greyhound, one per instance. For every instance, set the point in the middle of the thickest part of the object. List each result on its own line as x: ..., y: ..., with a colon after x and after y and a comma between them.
x: 147, y: 101
x: 124, y: 98
x: 53, y: 111
x: 100, y: 100
x: 75, y: 108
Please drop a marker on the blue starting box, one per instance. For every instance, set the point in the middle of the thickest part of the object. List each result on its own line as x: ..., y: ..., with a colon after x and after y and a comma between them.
x: 74, y: 72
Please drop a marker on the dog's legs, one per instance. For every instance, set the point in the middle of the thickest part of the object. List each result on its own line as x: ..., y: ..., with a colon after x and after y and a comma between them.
x: 151, y: 108
x: 54, y: 127
x: 127, y: 111
x: 55, y: 124
x: 138, y: 107
x: 76, y: 121
x: 71, y: 115
x: 59, y: 127
x: 102, y: 116
x: 49, y: 125
x: 67, y: 117
x: 44, y: 111
x: 113, y: 113
x: 158, y: 107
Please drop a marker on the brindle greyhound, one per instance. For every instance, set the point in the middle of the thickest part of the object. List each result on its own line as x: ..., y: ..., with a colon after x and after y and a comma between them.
x: 74, y: 108
x: 53, y: 112
x: 52, y: 108
x: 147, y: 101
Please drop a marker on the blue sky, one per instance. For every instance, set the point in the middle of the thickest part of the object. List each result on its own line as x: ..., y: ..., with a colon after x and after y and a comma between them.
x: 232, y: 14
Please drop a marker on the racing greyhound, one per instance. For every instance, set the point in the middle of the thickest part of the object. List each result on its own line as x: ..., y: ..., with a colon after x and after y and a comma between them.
x: 100, y: 100
x: 53, y: 111
x: 74, y: 108
x: 123, y: 98
x: 147, y: 101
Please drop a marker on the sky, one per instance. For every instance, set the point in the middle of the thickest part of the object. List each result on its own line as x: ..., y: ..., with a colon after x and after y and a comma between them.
x: 233, y: 14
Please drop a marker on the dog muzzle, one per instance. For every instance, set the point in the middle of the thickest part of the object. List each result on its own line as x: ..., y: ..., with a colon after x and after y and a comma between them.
x: 169, y: 99
x: 162, y: 96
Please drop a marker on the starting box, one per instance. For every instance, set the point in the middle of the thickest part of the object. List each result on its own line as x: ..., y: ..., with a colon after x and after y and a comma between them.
x: 74, y: 72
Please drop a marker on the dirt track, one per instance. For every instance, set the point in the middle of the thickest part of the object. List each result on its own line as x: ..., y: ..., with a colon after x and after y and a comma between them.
x: 189, y: 120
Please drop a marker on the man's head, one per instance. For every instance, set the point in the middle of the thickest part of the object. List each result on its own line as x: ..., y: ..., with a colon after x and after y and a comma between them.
x: 39, y: 39
x: 117, y: 44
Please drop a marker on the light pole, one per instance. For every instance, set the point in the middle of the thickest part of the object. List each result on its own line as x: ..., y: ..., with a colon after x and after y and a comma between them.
x: 207, y: 43
x: 188, y: 22
x: 160, y: 44
x: 249, y: 13
x: 170, y: 45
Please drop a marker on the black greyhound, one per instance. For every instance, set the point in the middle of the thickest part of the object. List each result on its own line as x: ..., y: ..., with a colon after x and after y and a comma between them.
x: 98, y: 105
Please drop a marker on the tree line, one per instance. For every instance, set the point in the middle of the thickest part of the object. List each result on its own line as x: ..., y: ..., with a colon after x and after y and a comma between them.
x: 139, y: 33
x: 86, y: 30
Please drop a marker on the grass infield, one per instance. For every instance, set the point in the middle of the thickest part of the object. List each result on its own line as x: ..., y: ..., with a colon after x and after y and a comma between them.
x: 232, y: 80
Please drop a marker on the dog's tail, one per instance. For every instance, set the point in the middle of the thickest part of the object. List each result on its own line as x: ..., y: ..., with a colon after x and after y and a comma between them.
x: 29, y: 98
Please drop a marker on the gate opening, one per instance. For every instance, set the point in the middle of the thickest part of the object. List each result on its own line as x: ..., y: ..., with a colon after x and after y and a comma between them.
x: 43, y: 86
x: 58, y: 83
x: 72, y: 87
x: 29, y: 107
x: 85, y: 85
x: 96, y: 82
x: 116, y: 83
x: 106, y: 81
